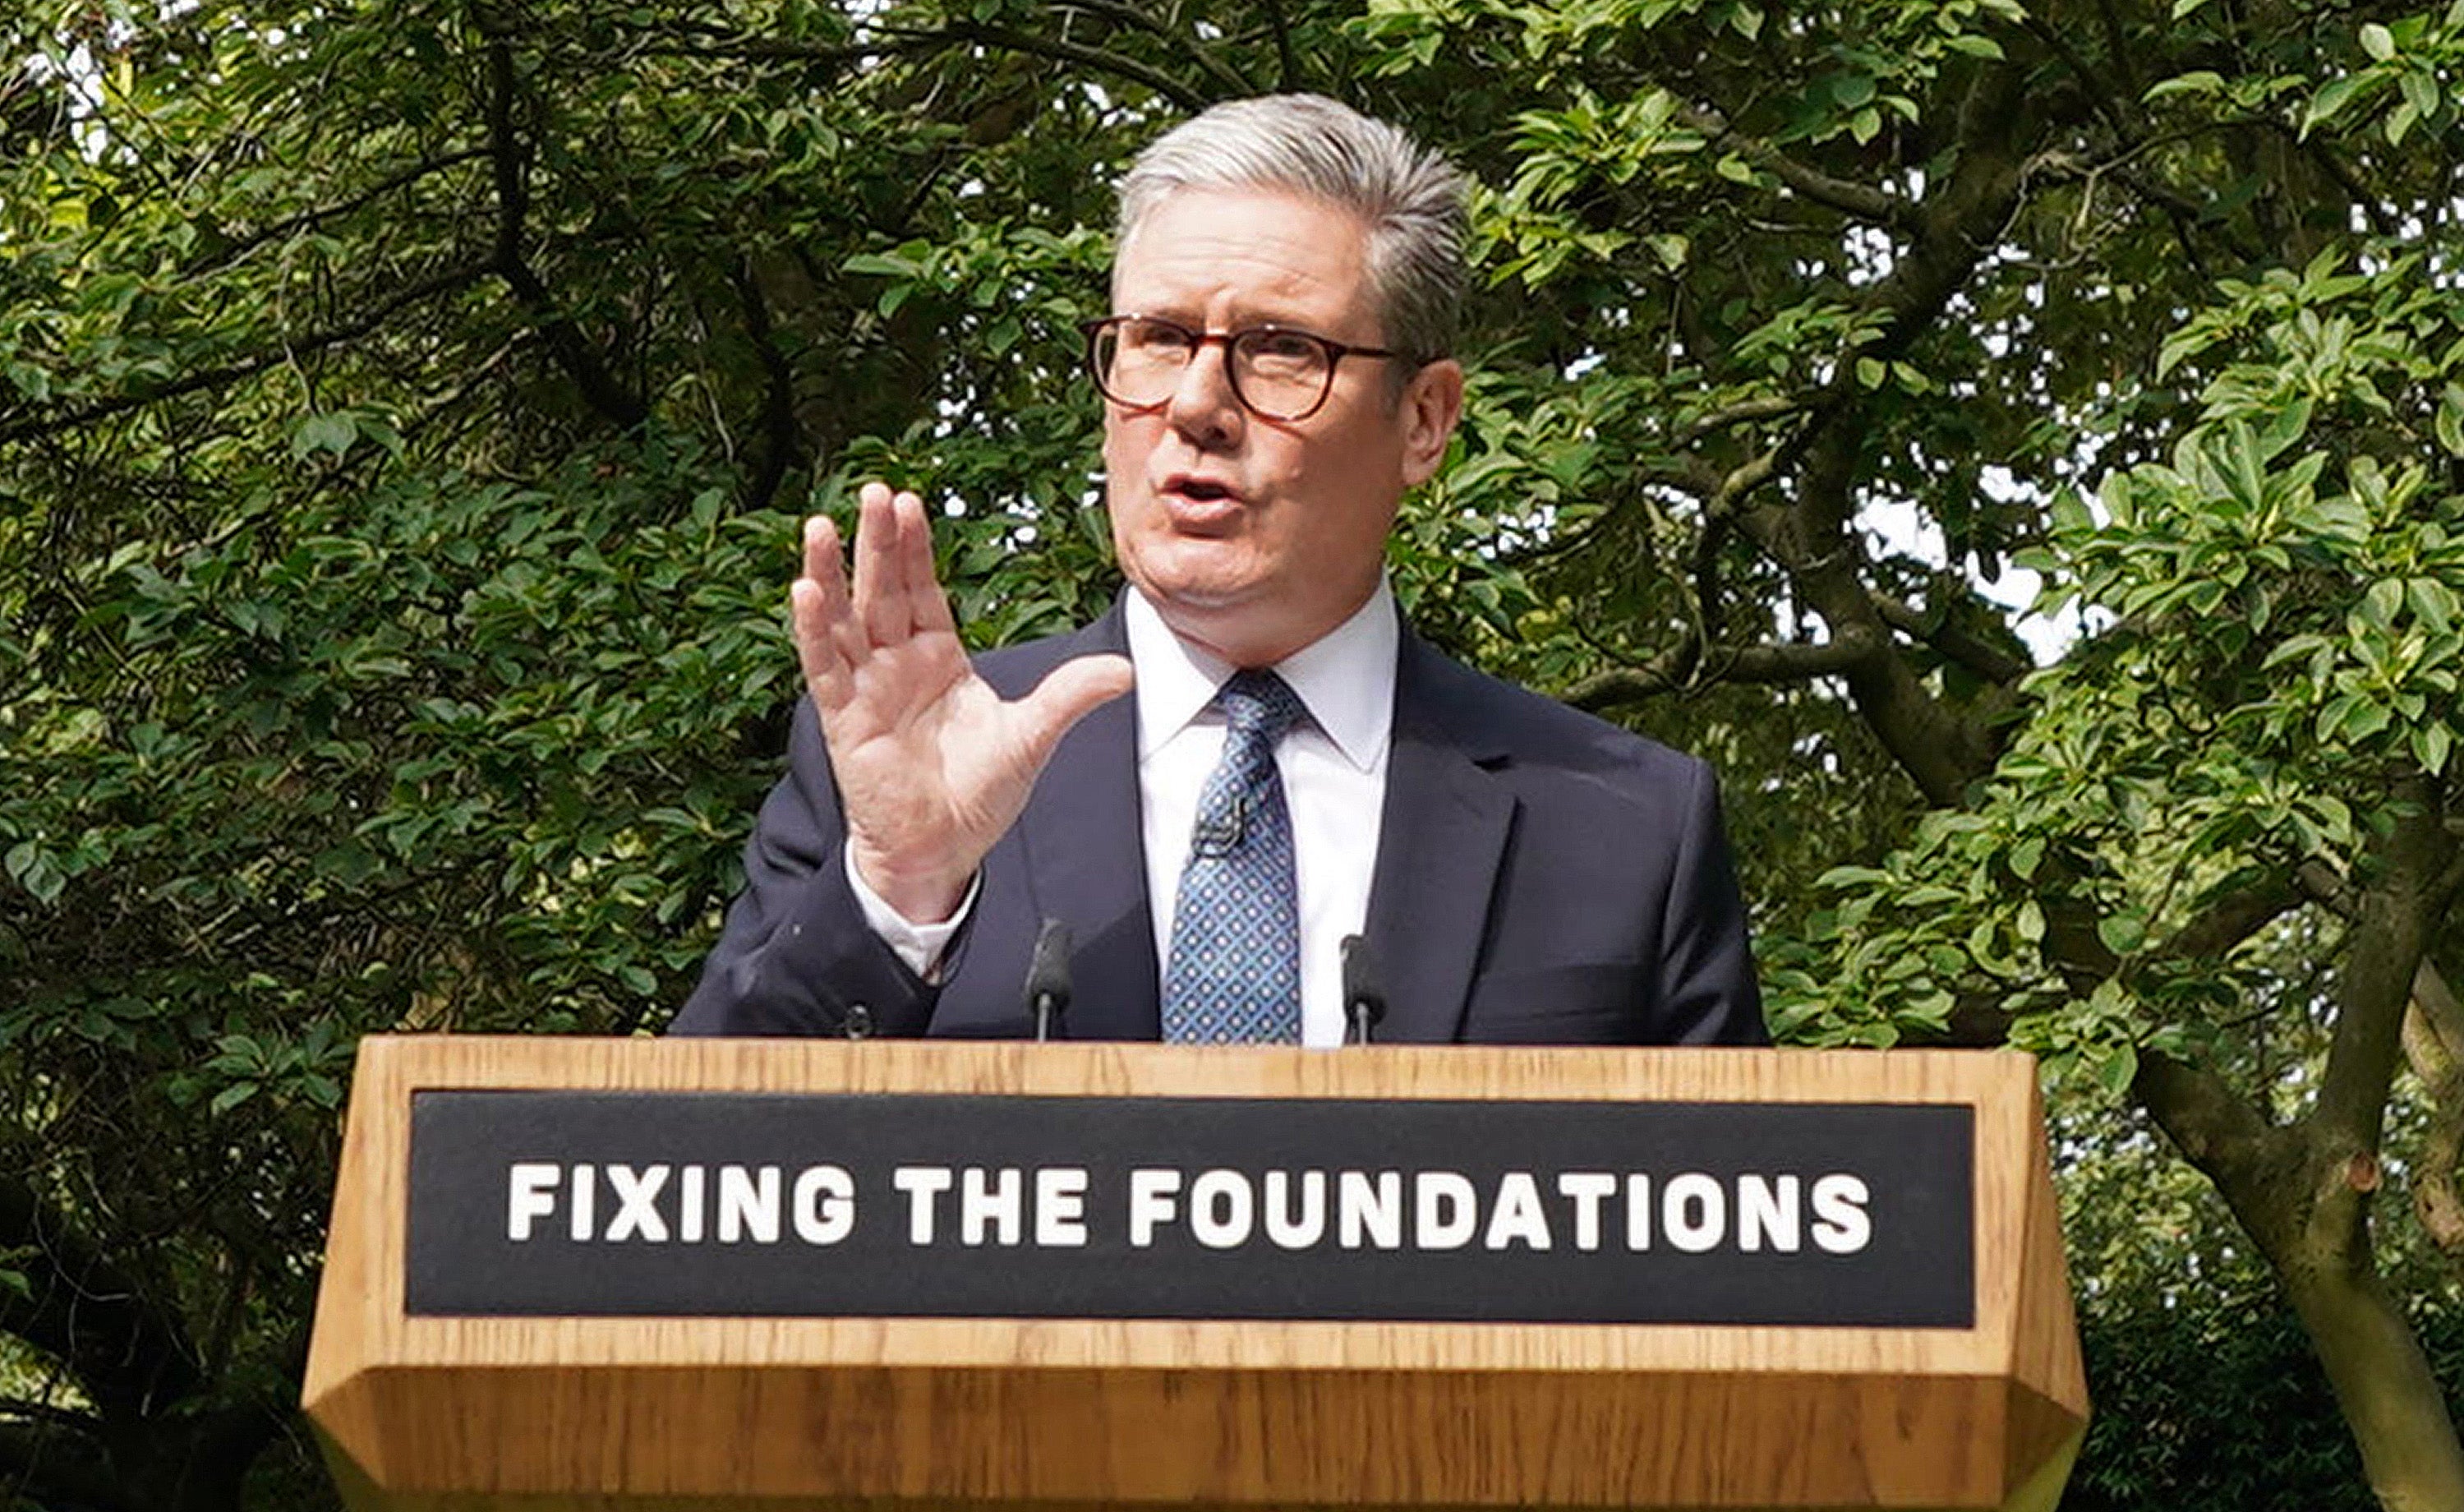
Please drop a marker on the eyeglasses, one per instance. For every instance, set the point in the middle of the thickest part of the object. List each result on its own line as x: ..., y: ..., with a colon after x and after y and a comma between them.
x: 1277, y: 374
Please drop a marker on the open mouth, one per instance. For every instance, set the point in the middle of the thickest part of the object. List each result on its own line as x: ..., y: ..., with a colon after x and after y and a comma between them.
x: 1200, y: 490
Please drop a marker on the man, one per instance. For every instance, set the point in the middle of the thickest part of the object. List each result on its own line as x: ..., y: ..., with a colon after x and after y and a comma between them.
x: 1292, y: 766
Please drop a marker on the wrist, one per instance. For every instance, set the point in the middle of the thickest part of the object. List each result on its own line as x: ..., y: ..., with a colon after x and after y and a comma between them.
x: 921, y: 895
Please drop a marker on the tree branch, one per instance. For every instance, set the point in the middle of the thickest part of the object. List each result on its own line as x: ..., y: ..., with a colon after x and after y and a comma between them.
x: 2450, y: 882
x: 1287, y: 67
x: 1941, y: 751
x: 2318, y: 152
x: 1987, y: 660
x: 2117, y: 47
x: 1860, y: 201
x: 1737, y: 485
x: 2222, y: 1135
x: 1129, y: 16
x: 225, y: 256
x: 2232, y: 919
x: 1953, y: 229
x: 1744, y: 412
x: 2435, y: 1002
x: 2109, y: 102
x: 736, y: 47
x: 2433, y: 1043
x: 127, y: 1356
x: 289, y: 349
x: 1686, y: 668
x: 779, y: 438
x: 2391, y: 921
x: 1720, y: 512
x: 1095, y: 58
x: 574, y: 353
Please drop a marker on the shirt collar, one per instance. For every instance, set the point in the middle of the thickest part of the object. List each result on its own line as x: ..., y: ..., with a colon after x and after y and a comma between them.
x: 1346, y: 678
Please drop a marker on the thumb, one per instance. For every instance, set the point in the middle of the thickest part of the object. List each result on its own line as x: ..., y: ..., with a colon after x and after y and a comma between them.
x: 1068, y: 693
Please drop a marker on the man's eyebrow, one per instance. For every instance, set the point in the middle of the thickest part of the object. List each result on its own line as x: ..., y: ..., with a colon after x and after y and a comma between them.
x: 1244, y: 320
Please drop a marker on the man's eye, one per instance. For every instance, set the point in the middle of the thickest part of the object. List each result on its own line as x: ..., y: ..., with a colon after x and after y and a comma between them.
x: 1154, y: 335
x: 1282, y: 347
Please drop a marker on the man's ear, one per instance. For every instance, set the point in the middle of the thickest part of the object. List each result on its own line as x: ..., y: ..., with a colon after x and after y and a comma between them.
x: 1432, y: 403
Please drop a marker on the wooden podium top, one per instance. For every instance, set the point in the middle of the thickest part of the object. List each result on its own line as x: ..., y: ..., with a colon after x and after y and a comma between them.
x: 542, y: 1412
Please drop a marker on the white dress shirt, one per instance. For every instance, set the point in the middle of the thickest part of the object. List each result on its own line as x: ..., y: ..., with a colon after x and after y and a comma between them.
x: 1333, y: 767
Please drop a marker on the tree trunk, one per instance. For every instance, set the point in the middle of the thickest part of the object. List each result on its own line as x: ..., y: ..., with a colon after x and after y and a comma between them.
x: 2382, y: 1382
x: 2305, y: 1200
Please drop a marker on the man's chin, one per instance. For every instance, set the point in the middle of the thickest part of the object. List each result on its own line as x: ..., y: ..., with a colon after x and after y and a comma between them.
x: 1244, y: 622
x: 1205, y: 574
x: 1209, y: 598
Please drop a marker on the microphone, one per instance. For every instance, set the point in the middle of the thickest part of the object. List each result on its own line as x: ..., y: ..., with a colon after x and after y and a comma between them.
x: 1219, y: 836
x: 1047, y: 977
x: 1364, y: 1000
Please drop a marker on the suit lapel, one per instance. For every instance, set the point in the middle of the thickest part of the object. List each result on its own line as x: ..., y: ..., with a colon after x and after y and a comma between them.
x: 1085, y: 861
x: 1441, y: 838
x: 1440, y: 843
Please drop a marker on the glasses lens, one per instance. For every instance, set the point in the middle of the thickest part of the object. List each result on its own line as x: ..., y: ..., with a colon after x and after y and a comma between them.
x: 1281, y: 374
x: 1138, y: 361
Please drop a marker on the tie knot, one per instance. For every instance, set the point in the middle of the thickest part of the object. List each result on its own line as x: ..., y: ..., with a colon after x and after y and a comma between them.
x: 1260, y: 705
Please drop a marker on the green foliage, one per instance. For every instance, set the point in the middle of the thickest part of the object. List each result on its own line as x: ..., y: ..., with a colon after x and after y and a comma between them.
x: 404, y: 413
x: 401, y: 481
x: 2283, y: 643
x: 2207, y: 1398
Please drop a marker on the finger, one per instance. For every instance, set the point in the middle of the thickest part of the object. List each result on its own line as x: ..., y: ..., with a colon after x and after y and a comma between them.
x: 927, y: 606
x: 1067, y: 694
x: 817, y: 605
x: 880, y: 583
x: 826, y: 676
x: 824, y: 556
x: 830, y: 619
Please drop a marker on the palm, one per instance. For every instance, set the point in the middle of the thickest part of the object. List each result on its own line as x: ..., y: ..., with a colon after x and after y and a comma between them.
x: 932, y: 765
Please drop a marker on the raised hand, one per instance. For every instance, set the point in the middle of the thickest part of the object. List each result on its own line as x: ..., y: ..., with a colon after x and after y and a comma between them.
x: 932, y: 766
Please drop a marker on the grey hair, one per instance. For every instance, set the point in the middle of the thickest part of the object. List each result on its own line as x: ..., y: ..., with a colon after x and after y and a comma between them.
x: 1409, y: 198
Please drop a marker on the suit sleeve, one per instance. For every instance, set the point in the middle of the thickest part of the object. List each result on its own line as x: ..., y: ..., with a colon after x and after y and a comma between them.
x: 796, y: 956
x: 1708, y: 992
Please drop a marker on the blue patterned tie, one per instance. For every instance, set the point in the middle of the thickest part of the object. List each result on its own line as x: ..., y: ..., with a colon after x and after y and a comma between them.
x: 1235, y: 973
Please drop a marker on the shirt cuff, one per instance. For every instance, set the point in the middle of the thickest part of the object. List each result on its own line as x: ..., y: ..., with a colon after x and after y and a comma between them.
x: 919, y: 945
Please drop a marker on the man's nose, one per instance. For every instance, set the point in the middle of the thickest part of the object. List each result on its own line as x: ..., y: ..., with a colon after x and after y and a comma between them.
x: 1204, y: 407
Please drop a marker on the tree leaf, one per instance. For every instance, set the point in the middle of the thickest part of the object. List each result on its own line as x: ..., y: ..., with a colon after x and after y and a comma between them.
x: 2123, y: 934
x: 2116, y: 1068
x: 2331, y: 100
x: 332, y: 433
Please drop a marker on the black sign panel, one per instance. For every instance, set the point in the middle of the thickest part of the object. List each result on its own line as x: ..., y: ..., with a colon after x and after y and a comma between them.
x: 705, y: 1204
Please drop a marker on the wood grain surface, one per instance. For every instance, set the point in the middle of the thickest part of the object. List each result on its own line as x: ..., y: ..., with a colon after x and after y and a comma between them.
x: 659, y: 1415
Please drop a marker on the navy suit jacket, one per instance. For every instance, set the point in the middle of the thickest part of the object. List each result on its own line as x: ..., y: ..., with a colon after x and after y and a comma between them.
x: 1542, y: 877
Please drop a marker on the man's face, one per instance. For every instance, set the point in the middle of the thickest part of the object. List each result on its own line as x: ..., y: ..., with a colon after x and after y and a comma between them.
x: 1255, y: 537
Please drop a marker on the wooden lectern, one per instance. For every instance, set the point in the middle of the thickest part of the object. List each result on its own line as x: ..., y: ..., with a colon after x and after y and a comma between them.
x: 440, y: 1381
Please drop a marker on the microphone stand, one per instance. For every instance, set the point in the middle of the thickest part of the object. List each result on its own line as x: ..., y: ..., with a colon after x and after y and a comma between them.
x: 1047, y: 978
x: 1364, y: 1000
